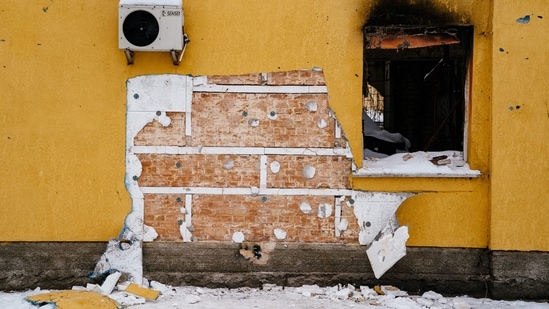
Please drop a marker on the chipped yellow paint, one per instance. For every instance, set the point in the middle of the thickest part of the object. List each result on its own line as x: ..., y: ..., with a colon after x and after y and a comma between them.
x: 142, y: 291
x: 74, y: 300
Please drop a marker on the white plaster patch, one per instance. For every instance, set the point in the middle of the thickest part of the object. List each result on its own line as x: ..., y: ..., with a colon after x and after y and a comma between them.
x: 375, y: 211
x: 309, y: 171
x: 275, y: 167
x: 280, y: 234
x: 228, y: 164
x: 124, y: 256
x: 343, y: 225
x: 385, y: 252
x: 166, y: 92
x: 305, y: 207
x: 238, y: 237
x: 321, y: 123
x: 311, y: 106
x: 324, y: 210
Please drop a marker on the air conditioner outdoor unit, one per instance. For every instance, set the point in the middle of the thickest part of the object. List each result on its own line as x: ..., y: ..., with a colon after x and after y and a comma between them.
x: 151, y: 25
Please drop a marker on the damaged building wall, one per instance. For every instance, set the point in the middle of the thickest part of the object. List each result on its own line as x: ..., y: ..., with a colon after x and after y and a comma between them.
x: 62, y: 124
x: 261, y: 146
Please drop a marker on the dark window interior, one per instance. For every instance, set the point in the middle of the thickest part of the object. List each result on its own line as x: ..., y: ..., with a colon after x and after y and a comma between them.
x: 423, y: 88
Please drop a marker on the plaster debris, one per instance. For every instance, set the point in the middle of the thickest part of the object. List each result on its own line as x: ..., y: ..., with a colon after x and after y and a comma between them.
x: 185, y: 233
x: 305, y: 207
x: 192, y: 299
x: 376, y: 211
x: 280, y: 234
x: 384, y: 253
x: 121, y: 255
x: 324, y: 210
x: 321, y: 123
x: 71, y: 299
x: 142, y: 291
x: 311, y: 106
x: 110, y: 282
x: 149, y: 234
x: 309, y: 171
x: 441, y: 160
x: 238, y: 237
x: 343, y: 225
x: 228, y: 164
x: 392, y: 290
x: 432, y: 295
x: 407, y: 156
x: 275, y: 167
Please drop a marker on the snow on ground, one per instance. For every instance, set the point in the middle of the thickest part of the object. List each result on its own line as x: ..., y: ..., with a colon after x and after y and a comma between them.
x: 272, y: 296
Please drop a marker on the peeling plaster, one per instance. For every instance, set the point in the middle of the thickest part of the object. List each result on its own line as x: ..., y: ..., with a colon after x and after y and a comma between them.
x: 375, y: 211
x: 385, y: 252
x: 150, y: 97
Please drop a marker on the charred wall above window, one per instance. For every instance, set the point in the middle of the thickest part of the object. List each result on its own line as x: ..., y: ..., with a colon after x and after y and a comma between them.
x: 411, y: 12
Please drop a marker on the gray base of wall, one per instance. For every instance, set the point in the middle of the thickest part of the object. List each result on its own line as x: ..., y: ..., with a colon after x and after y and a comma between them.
x: 450, y: 271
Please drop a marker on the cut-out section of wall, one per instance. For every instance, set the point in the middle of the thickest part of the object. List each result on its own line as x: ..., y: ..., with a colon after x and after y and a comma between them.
x: 241, y: 157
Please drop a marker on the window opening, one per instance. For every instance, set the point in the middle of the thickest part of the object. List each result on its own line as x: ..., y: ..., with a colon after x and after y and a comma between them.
x: 414, y: 89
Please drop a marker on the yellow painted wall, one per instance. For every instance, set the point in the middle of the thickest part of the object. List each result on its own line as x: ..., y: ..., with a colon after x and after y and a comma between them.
x: 62, y: 111
x: 62, y: 108
x: 520, y: 165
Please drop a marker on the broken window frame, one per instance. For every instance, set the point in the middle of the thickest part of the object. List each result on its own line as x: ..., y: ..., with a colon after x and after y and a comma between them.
x: 414, y: 43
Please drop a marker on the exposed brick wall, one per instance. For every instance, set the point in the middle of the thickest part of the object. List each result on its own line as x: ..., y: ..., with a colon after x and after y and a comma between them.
x: 216, y: 218
x: 225, y: 119
x: 168, y: 170
x: 154, y: 134
x: 236, y: 120
x: 330, y: 172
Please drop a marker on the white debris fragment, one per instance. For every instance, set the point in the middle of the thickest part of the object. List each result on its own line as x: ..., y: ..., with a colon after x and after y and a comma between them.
x: 309, y: 171
x: 391, y: 290
x: 275, y: 167
x: 425, y: 302
x: 367, y: 291
x: 459, y: 303
x: 400, y: 303
x: 324, y: 210
x: 432, y: 295
x: 238, y: 237
x: 343, y: 225
x: 384, y: 253
x: 164, y: 289
x: 192, y: 299
x: 93, y: 287
x: 185, y: 233
x: 149, y: 233
x: 305, y: 207
x: 280, y: 234
x: 127, y: 299
x: 310, y: 290
x: 110, y: 282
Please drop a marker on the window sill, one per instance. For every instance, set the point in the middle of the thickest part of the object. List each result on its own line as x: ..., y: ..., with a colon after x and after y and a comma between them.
x: 418, y: 164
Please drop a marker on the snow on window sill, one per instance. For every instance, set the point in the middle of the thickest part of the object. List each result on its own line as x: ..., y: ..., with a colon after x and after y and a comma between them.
x: 416, y: 164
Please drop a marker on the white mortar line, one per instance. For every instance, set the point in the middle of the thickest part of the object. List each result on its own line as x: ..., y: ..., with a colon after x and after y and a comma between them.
x: 244, y: 191
x: 263, y: 172
x: 188, y: 122
x: 242, y: 150
x: 188, y: 210
x: 337, y: 130
x: 259, y: 89
x: 337, y: 215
